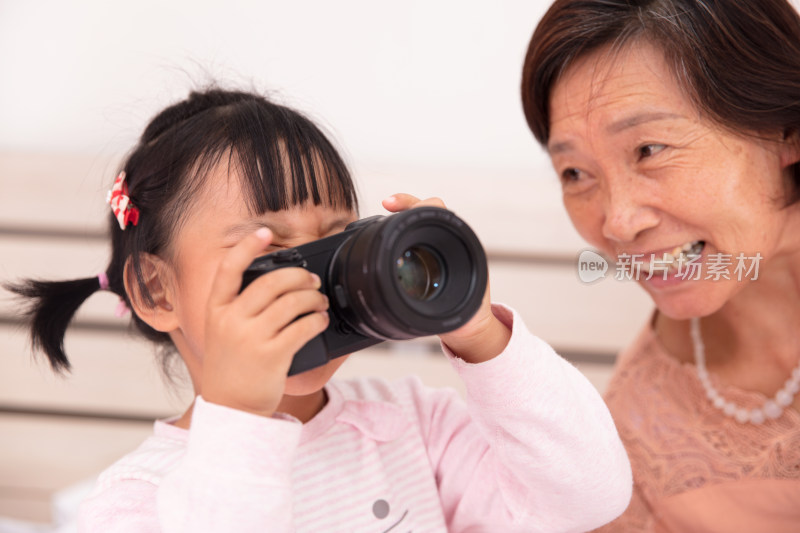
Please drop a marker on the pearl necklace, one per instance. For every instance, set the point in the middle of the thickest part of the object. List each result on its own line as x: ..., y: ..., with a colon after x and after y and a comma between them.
x: 772, y: 408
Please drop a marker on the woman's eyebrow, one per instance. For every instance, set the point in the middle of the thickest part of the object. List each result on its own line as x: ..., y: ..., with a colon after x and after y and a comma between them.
x: 619, y: 126
x: 559, y: 147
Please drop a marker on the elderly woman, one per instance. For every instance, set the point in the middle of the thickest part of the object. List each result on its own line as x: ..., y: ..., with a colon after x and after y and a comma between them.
x: 674, y: 126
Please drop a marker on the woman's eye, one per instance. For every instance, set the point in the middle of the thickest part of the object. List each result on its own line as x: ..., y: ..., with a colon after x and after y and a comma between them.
x: 648, y: 150
x: 571, y: 175
x: 575, y: 181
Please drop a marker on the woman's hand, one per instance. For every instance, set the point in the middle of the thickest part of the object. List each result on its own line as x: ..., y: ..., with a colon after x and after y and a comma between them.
x: 250, y: 338
x: 484, y: 336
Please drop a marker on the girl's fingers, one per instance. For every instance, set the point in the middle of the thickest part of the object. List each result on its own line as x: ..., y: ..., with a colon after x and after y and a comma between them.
x: 401, y: 202
x: 299, y: 332
x: 289, y: 307
x: 265, y: 289
x: 228, y: 280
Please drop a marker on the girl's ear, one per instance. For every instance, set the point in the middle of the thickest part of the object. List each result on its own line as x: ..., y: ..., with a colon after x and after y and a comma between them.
x: 157, y: 311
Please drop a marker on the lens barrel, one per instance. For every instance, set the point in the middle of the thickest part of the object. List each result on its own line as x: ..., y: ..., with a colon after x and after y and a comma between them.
x: 415, y: 273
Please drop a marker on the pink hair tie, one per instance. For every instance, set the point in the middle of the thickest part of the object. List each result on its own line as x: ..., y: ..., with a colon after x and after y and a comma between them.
x: 122, y: 308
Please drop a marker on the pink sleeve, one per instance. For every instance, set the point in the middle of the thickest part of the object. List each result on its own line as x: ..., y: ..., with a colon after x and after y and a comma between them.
x: 535, y: 450
x: 126, y: 507
x: 235, y: 476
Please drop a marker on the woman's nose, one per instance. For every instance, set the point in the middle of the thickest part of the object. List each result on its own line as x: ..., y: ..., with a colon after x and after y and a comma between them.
x: 627, y: 212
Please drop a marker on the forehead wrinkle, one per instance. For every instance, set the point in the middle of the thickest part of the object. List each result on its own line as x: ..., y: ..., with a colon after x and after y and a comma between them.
x: 583, y: 99
x: 590, y: 104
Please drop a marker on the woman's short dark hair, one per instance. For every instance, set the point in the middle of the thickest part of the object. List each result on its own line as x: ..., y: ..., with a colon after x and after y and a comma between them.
x: 280, y: 157
x: 738, y: 61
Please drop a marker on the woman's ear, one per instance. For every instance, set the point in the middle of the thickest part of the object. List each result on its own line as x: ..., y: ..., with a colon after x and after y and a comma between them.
x: 790, y: 148
x: 155, y: 307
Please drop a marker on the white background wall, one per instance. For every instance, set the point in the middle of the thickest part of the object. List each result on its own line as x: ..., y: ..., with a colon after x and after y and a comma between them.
x: 431, y: 83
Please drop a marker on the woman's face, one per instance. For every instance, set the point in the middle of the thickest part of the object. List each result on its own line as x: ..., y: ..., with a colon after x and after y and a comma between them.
x: 643, y: 174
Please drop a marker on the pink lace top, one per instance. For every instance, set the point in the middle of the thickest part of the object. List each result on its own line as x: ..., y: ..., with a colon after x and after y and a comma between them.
x: 696, y: 470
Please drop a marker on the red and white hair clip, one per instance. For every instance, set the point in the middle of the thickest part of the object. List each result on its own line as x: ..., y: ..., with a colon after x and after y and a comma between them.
x: 124, y: 210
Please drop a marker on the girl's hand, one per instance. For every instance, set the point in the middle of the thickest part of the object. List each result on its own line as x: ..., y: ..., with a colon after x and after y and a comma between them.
x: 250, y: 338
x: 484, y: 336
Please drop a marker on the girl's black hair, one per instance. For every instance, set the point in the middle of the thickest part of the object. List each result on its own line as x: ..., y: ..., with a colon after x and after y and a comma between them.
x: 281, y: 157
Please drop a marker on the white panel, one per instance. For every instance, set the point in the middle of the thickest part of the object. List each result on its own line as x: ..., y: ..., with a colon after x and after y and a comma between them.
x: 61, y: 191
x: 512, y: 211
x: 40, y: 455
x: 602, y: 317
x: 112, y: 373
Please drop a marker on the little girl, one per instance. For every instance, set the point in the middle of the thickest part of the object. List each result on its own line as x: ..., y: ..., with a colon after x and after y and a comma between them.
x: 221, y: 178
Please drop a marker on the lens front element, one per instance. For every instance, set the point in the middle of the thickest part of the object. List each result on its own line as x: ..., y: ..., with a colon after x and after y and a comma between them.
x: 420, y: 273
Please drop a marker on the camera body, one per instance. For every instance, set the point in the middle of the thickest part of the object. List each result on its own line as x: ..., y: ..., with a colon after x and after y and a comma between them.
x: 411, y: 274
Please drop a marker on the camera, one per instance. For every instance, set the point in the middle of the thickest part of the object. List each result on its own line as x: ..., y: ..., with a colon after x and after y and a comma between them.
x: 411, y: 274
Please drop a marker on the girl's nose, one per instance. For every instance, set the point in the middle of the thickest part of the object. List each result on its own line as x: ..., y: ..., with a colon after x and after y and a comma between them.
x: 627, y: 213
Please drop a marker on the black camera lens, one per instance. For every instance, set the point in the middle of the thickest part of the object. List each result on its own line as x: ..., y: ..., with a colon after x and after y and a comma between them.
x: 420, y: 273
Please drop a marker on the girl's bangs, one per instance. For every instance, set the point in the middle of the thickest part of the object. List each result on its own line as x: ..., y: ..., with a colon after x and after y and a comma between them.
x: 284, y: 160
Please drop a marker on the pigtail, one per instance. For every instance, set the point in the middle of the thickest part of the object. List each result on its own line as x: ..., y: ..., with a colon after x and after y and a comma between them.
x: 52, y: 305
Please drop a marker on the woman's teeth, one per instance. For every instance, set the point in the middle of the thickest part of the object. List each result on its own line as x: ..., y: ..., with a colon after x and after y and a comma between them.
x: 681, y: 255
